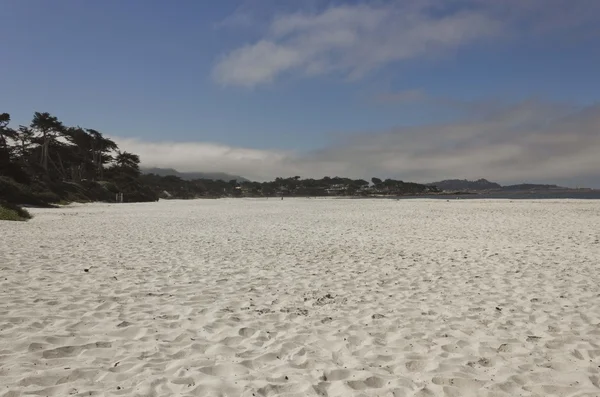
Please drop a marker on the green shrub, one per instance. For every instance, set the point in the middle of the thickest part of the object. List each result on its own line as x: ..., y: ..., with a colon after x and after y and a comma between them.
x: 45, y: 197
x: 36, y: 194
x: 11, y: 212
x: 42, y: 193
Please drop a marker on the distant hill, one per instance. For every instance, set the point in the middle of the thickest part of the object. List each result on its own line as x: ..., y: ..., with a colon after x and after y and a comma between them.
x: 188, y: 176
x: 484, y: 184
x: 530, y: 186
x: 463, y: 184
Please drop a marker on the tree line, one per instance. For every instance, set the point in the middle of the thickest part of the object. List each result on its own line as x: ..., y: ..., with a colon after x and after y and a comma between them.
x: 48, y: 162
x: 175, y: 187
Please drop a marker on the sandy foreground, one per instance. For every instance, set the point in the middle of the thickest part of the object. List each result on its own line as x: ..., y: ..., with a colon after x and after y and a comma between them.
x: 302, y: 297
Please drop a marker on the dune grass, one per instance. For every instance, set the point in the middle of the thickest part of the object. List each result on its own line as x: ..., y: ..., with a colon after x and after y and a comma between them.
x: 10, y: 212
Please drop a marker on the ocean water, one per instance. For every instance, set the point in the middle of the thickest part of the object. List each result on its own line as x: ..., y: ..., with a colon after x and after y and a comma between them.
x: 580, y: 195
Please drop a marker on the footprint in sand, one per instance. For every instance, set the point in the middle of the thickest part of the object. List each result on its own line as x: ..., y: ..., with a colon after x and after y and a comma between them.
x: 337, y: 374
x: 416, y: 366
x: 71, y: 351
x: 247, y: 332
x: 62, y: 352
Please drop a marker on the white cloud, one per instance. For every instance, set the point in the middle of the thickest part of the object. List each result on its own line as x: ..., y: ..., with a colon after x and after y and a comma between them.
x: 352, y: 40
x: 532, y: 141
x: 260, y: 64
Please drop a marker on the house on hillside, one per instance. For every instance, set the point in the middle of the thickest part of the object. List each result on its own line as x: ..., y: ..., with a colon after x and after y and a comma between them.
x: 337, y: 189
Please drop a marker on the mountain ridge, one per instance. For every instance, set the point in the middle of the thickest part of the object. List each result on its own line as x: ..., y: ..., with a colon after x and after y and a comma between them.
x: 484, y: 185
x: 188, y: 176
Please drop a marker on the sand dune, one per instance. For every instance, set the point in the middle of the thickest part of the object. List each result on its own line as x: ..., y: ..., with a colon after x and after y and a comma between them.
x: 302, y: 298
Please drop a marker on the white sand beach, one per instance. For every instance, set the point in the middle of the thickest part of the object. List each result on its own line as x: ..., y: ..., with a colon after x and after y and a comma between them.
x: 302, y: 297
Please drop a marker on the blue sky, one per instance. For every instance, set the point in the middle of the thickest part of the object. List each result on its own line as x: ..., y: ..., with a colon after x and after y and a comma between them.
x: 258, y: 87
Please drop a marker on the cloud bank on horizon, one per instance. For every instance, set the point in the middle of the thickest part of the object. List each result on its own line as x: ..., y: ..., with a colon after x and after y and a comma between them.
x: 534, y: 141
x: 529, y: 142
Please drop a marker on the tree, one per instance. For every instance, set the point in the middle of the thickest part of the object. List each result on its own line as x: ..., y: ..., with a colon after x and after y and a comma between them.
x: 48, y: 127
x: 101, y: 149
x: 6, y: 133
x: 24, y: 139
x: 128, y: 162
x: 79, y: 154
x: 376, y: 181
